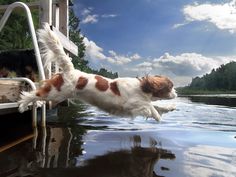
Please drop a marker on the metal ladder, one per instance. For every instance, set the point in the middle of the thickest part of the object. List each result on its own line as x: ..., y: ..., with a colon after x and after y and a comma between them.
x: 3, y: 21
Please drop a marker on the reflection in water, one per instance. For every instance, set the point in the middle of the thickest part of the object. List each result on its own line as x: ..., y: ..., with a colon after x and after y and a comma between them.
x: 83, y: 142
x: 136, y: 162
x: 219, y: 161
x: 58, y: 158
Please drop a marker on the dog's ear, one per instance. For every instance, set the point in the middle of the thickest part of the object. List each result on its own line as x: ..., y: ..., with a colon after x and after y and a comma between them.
x: 151, y: 84
x: 158, y: 86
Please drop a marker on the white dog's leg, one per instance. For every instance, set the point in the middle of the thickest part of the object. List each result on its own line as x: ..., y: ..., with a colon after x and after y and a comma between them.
x: 162, y: 110
x: 155, y: 114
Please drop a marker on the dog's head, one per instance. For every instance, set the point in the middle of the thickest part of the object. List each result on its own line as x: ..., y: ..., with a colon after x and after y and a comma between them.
x: 159, y: 87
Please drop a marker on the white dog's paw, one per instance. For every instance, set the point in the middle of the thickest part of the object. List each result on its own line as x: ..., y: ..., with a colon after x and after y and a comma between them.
x: 39, y: 104
x: 171, y: 107
x: 22, y: 108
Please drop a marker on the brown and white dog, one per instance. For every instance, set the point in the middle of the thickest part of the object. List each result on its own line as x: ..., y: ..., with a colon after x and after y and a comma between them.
x: 121, y: 96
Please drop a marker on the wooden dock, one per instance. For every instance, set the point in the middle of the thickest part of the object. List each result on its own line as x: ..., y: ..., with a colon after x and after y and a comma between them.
x: 55, y: 13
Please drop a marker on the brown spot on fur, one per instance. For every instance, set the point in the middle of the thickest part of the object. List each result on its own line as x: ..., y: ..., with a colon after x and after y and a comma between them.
x: 101, y: 84
x: 114, y: 88
x: 57, y: 81
x: 44, y: 90
x: 158, y: 86
x: 81, y: 83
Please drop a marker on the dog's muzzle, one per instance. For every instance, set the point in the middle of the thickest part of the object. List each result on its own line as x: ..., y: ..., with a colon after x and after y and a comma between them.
x: 172, y: 94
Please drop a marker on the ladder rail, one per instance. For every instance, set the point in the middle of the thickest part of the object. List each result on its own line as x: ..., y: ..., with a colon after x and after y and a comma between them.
x: 3, y: 21
x: 32, y: 31
x: 15, y: 104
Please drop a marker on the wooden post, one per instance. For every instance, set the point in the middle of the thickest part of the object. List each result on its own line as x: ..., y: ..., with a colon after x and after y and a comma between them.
x: 63, y: 16
x: 45, y: 11
x: 55, y: 15
x: 55, y: 23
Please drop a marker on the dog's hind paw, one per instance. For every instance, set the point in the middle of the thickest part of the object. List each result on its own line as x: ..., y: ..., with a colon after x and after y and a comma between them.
x: 22, y: 108
x: 39, y: 103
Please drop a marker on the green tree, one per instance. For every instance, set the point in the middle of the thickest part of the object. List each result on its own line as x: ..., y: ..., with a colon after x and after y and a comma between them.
x: 15, y: 34
x: 77, y: 38
x: 79, y: 61
x: 222, y: 78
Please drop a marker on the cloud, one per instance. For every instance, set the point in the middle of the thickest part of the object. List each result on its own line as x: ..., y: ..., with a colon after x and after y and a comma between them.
x: 109, y: 16
x: 144, y: 64
x: 94, y: 52
x: 86, y: 11
x: 221, y: 15
x: 186, y: 64
x: 90, y: 19
x: 118, y: 59
x: 178, y: 25
x: 144, y: 67
x: 180, y: 68
x: 135, y: 57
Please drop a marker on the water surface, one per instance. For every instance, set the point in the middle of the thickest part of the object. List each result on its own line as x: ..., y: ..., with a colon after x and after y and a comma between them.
x: 198, y: 139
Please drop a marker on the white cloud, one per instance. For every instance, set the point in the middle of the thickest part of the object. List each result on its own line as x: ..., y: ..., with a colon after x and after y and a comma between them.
x: 109, y: 16
x: 122, y: 59
x: 186, y: 64
x: 90, y: 19
x: 144, y: 64
x: 86, y: 11
x: 144, y: 67
x: 180, y: 68
x: 118, y: 59
x: 221, y: 15
x: 93, y: 51
x: 178, y: 25
x: 135, y: 57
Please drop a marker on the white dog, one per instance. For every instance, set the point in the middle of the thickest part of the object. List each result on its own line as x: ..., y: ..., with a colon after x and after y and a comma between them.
x: 121, y: 96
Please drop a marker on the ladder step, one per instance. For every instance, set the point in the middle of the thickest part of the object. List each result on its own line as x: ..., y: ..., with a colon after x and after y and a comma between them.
x: 8, y: 105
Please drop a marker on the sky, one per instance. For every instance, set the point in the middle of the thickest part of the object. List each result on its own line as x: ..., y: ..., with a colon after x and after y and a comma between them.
x: 180, y: 39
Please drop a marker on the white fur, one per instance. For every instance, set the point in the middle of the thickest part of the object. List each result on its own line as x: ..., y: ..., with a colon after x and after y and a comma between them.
x: 132, y: 101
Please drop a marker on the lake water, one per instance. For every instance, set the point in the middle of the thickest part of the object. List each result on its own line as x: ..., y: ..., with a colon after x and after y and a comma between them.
x: 196, y: 140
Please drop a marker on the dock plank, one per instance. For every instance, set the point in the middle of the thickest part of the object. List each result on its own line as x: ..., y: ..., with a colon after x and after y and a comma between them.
x: 10, y: 91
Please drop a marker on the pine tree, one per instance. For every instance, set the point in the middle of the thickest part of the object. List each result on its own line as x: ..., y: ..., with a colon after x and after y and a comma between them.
x: 15, y: 34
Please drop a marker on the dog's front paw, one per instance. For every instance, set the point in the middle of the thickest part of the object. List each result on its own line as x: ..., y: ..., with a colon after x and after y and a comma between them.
x: 171, y: 108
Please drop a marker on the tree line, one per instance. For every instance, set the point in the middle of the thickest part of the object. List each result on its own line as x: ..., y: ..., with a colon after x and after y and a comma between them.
x: 220, y: 79
x: 15, y: 35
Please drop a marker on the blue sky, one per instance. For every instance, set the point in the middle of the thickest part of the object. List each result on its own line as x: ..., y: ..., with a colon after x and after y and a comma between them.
x: 178, y: 38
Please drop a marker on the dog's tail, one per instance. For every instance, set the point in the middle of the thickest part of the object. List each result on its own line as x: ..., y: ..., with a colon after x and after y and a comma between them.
x: 52, y: 50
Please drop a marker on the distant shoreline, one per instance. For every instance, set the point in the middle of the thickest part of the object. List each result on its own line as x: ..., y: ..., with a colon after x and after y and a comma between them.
x: 209, y: 95
x: 183, y: 91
